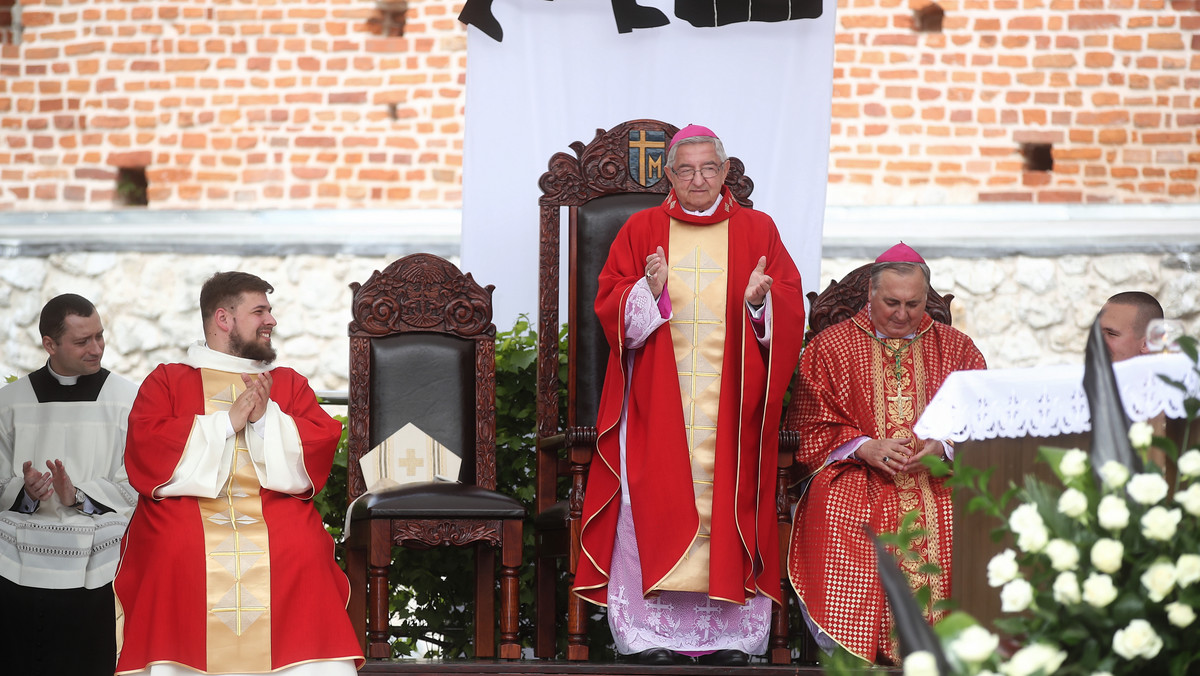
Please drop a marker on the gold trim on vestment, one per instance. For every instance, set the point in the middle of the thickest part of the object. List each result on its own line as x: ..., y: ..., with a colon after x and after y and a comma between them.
x: 236, y: 553
x: 698, y: 285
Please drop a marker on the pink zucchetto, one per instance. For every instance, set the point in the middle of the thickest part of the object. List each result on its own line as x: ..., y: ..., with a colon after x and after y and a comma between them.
x: 690, y: 131
x: 901, y: 253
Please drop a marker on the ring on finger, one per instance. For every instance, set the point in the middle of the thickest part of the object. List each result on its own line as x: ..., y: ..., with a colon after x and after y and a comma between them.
x: 886, y: 459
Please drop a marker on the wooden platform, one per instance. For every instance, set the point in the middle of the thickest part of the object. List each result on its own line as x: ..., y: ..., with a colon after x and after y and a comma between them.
x: 414, y: 667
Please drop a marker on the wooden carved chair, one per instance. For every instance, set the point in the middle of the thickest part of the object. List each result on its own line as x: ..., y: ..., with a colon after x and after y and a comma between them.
x: 619, y: 172
x: 422, y: 351
x: 838, y: 302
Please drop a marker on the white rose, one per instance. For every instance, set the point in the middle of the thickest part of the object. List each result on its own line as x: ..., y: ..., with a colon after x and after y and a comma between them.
x: 1141, y: 434
x: 1147, y: 489
x: 1137, y: 640
x: 1113, y: 513
x: 1160, y: 523
x: 1159, y: 580
x: 1034, y: 539
x: 1107, y: 555
x: 1114, y: 474
x: 1002, y: 568
x: 1189, y: 463
x: 920, y: 663
x: 1190, y: 499
x: 1066, y: 589
x: 1098, y: 590
x: 1073, y: 503
x: 1180, y: 614
x: 1187, y: 569
x: 1016, y: 596
x: 1025, y: 517
x: 1037, y: 658
x: 1063, y: 555
x: 975, y: 644
x: 1074, y: 463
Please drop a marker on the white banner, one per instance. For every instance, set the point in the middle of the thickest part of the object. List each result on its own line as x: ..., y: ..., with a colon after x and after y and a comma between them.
x: 562, y: 71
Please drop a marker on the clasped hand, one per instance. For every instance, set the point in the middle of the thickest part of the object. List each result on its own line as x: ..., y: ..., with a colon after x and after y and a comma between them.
x: 251, y: 404
x: 893, y: 456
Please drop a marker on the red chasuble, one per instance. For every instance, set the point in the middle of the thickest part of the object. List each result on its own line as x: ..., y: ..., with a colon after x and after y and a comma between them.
x: 744, y: 556
x: 164, y: 581
x: 852, y: 385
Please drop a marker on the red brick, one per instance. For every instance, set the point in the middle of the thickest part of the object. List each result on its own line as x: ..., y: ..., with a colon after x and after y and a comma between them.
x: 1091, y: 22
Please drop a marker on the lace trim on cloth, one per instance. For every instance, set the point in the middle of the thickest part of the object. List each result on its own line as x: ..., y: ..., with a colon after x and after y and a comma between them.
x: 642, y: 316
x: 1049, y: 401
x: 678, y: 620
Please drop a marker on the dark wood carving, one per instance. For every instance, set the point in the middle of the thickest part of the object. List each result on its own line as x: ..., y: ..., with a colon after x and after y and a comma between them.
x: 437, y: 533
x: 421, y: 292
x: 842, y: 300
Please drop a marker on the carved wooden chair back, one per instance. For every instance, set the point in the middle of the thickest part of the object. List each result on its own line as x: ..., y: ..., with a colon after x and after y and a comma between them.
x: 422, y: 351
x: 621, y: 171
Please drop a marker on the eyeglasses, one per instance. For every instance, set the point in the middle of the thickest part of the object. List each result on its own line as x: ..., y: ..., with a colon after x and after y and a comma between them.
x: 707, y: 171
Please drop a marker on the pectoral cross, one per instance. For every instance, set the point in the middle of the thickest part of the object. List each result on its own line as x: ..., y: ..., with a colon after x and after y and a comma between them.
x: 898, y: 399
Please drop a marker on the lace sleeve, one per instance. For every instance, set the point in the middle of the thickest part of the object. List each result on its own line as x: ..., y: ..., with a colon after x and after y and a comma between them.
x: 642, y: 315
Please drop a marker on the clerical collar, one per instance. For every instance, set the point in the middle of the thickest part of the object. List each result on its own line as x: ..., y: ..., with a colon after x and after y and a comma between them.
x: 67, y: 381
x: 707, y: 212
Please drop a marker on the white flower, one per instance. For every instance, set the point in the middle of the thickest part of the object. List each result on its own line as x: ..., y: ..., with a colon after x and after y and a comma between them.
x: 1141, y: 434
x: 1063, y: 555
x: 1074, y: 463
x: 1189, y: 463
x: 1102, y: 673
x: 1137, y: 640
x: 1073, y: 503
x: 1159, y: 580
x: 1187, y: 569
x: 1180, y: 614
x: 1066, y: 589
x: 1147, y: 489
x: 1033, y: 659
x: 1033, y: 540
x: 1016, y: 596
x: 974, y: 644
x: 1114, y: 474
x: 1107, y: 555
x: 1002, y: 568
x: 1025, y: 517
x: 1190, y: 499
x: 1160, y: 523
x: 920, y: 663
x: 1098, y: 590
x: 1113, y: 513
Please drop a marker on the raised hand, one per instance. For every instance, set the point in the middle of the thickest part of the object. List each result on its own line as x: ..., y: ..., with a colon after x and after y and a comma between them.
x: 38, y: 485
x: 656, y: 271
x: 760, y: 283
x: 63, y: 485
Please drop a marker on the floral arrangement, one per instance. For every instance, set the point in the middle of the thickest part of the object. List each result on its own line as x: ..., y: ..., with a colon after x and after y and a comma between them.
x: 1105, y: 575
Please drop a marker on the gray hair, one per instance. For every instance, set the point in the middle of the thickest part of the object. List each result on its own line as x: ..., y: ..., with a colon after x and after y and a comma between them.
x: 900, y: 267
x: 717, y: 145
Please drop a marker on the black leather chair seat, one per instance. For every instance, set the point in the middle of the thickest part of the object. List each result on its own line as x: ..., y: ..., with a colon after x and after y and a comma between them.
x: 435, y: 501
x: 554, y: 518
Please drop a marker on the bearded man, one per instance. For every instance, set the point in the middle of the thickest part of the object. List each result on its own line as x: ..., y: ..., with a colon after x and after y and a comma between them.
x: 226, y: 567
x: 863, y: 383
x: 679, y: 532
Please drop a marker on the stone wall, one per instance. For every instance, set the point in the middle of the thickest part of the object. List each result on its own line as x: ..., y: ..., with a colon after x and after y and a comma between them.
x: 1022, y: 311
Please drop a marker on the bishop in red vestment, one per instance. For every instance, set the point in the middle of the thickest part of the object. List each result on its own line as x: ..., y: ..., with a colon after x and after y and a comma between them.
x: 863, y: 383
x: 702, y: 308
x: 226, y: 567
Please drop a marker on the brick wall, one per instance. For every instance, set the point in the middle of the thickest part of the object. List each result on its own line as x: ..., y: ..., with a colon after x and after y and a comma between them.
x: 312, y: 103
x: 1112, y: 85
x: 233, y: 104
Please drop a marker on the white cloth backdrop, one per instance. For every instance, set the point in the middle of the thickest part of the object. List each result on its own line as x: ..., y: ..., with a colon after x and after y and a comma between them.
x: 563, y: 70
